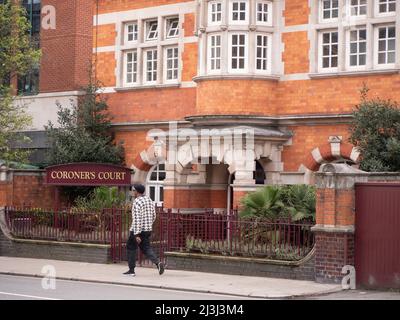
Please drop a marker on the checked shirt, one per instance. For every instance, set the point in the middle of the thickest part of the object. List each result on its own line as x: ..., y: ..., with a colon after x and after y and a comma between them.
x: 143, y: 215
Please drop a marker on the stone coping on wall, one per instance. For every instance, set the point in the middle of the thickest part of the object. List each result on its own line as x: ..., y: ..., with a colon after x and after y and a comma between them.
x: 333, y: 229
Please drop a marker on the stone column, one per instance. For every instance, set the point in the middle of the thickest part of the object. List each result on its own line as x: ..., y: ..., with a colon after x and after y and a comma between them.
x: 335, y: 220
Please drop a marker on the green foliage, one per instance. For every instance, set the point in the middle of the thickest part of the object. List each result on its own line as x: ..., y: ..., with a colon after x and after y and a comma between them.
x: 242, y: 248
x: 375, y: 131
x: 265, y: 203
x: 84, y: 133
x: 17, y: 55
x: 275, y: 202
x: 300, y: 201
x: 13, y: 119
x: 100, y: 198
x: 17, y: 58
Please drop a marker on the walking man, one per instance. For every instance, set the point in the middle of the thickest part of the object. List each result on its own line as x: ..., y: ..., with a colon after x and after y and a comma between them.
x: 143, y: 216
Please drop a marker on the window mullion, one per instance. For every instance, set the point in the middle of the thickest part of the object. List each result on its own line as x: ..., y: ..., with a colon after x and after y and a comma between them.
x: 160, y: 66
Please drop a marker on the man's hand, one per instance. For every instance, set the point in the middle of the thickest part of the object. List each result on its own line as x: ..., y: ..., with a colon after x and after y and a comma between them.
x: 138, y: 239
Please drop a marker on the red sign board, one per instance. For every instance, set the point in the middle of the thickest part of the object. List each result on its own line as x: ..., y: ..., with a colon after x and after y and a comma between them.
x: 88, y: 174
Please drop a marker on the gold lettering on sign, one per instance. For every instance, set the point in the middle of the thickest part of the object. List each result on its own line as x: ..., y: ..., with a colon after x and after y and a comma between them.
x: 87, y: 175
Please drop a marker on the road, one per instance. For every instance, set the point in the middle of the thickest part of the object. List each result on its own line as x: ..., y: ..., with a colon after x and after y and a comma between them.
x: 29, y: 288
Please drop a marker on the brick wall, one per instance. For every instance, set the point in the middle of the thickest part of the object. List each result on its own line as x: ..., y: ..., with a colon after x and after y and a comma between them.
x: 242, y: 266
x: 181, y: 198
x: 333, y: 251
x: 52, y: 250
x: 67, y: 49
x: 27, y: 189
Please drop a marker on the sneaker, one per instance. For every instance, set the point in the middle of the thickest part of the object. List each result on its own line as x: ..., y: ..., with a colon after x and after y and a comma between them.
x: 130, y: 273
x: 161, y: 268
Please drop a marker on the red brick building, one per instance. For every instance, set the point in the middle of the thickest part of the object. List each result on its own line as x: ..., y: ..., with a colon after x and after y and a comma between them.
x: 290, y: 72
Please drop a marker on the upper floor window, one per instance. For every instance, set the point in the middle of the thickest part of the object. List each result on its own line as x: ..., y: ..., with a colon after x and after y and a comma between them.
x: 358, y: 7
x: 131, y: 67
x: 238, y: 52
x: 329, y: 9
x: 214, y: 54
x: 171, y: 64
x: 262, y: 52
x: 151, y: 30
x: 386, y: 49
x: 150, y: 65
x: 131, y: 30
x: 263, y: 12
x: 172, y: 27
x: 358, y: 48
x: 239, y: 12
x: 386, y: 6
x: 214, y: 12
x: 329, y: 50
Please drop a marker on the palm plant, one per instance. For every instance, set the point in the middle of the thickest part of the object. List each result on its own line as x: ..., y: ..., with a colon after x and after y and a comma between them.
x: 264, y: 203
x: 300, y: 202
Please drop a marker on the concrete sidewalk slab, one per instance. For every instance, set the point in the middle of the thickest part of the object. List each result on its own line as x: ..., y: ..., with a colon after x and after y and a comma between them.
x: 255, y: 287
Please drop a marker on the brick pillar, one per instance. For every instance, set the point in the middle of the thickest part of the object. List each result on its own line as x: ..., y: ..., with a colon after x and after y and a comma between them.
x: 67, y: 49
x: 335, y: 218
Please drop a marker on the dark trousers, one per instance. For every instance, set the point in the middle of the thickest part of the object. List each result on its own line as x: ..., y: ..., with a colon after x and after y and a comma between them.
x: 145, y: 247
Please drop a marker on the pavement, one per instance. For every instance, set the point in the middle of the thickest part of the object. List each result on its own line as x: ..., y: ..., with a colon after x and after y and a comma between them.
x: 235, y: 285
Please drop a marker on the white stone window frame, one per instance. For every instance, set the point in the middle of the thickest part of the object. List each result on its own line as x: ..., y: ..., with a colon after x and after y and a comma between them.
x: 321, y: 12
x: 211, y: 5
x: 268, y: 57
x: 321, y: 69
x: 376, y: 47
x: 150, y: 30
x: 270, y: 13
x: 125, y: 68
x: 246, y: 53
x: 349, y: 7
x: 127, y: 33
x: 157, y: 184
x: 384, y: 14
x: 165, y: 64
x: 247, y: 12
x: 168, y: 26
x: 371, y: 21
x: 155, y: 63
x: 209, y: 51
x: 348, y: 48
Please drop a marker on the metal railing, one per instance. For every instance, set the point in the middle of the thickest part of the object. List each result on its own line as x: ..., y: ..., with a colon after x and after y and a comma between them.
x: 230, y: 235
x: 65, y: 225
x: 199, y: 232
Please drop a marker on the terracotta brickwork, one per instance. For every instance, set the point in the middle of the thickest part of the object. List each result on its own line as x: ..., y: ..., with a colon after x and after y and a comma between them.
x: 27, y: 190
x: 189, y: 61
x: 67, y: 49
x: 152, y: 104
x: 107, y: 6
x: 189, y: 24
x: 104, y: 35
x: 335, y: 207
x: 181, y: 198
x: 105, y: 68
x: 305, y: 139
x: 296, y: 12
x: 246, y: 97
x: 296, y: 54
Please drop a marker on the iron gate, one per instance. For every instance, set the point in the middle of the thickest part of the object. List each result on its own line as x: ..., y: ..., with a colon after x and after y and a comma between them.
x: 377, y: 235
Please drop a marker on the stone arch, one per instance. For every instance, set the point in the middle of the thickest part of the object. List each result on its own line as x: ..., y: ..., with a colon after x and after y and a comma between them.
x: 334, y: 149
